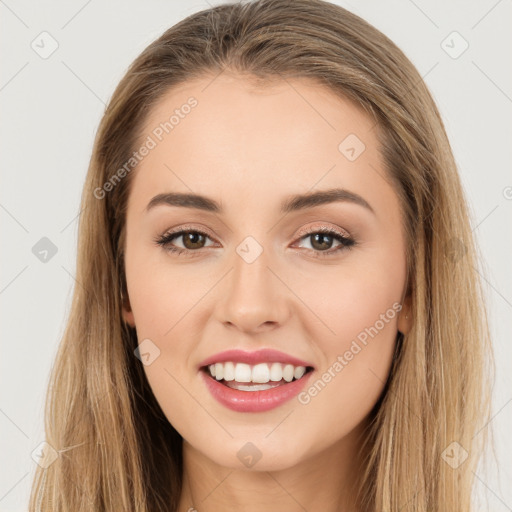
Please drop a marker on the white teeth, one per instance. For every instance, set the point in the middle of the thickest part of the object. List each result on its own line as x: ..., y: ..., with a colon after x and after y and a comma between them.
x: 252, y: 387
x: 288, y: 373
x: 242, y: 372
x: 229, y: 371
x: 261, y: 373
x: 299, y: 372
x: 276, y: 372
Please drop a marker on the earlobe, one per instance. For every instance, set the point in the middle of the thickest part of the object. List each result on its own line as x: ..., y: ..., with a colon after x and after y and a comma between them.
x: 127, y: 311
x: 405, y: 317
x: 128, y: 318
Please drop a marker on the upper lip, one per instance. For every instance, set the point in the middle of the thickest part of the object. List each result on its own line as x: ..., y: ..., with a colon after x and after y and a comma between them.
x: 266, y: 355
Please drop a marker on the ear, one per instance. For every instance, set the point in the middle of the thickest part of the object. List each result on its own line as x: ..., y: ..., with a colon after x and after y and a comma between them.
x: 405, y: 316
x: 127, y: 311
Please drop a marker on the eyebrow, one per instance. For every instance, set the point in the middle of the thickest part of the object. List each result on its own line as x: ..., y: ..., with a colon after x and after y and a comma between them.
x: 291, y: 204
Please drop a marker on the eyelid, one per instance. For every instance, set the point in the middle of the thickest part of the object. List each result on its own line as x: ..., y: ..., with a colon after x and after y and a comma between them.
x: 323, y: 227
x: 189, y: 227
x: 302, y: 232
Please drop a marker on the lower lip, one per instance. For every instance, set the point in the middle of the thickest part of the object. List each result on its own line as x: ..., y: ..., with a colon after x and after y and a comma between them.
x: 254, y: 401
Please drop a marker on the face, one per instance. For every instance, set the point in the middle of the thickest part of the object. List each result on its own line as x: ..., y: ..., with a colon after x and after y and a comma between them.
x: 262, y: 261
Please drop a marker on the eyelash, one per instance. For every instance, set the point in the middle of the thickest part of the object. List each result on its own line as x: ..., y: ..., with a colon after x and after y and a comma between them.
x: 345, y: 241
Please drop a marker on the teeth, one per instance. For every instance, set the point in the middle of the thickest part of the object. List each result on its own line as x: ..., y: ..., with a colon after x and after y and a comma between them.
x: 299, y: 372
x: 229, y: 371
x: 288, y: 373
x: 242, y: 372
x: 276, y: 372
x: 252, y: 387
x: 260, y: 373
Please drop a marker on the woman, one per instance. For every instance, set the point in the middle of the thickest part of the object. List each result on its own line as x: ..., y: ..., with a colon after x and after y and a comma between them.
x: 279, y: 308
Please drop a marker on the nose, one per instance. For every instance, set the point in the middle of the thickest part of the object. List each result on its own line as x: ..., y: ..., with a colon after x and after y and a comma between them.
x: 252, y: 297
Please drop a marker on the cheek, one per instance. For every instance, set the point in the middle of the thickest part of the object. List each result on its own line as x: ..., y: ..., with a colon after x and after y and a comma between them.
x: 359, y: 306
x: 355, y: 361
x: 362, y: 291
x: 342, y: 395
x: 160, y: 292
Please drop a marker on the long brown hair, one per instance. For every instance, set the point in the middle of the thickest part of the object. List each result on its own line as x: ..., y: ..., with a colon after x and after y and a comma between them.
x: 116, y: 449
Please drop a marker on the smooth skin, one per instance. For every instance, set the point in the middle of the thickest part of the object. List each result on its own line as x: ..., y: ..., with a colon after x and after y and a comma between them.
x: 250, y: 148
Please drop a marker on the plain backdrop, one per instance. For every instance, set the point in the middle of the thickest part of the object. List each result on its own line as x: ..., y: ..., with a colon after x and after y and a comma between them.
x: 52, y: 104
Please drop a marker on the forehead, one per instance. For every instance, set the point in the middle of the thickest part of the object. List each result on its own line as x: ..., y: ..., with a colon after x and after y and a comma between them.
x: 224, y: 135
x: 255, y: 112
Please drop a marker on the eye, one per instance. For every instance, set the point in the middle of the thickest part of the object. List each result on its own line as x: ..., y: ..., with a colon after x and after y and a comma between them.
x: 322, y: 239
x: 192, y: 240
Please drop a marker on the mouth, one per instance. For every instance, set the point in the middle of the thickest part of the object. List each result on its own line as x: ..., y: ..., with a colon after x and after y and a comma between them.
x: 259, y: 377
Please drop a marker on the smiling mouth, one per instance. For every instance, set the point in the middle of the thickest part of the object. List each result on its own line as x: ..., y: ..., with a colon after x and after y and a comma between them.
x: 260, y: 377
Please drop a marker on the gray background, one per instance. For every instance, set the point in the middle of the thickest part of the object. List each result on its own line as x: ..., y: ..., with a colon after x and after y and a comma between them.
x: 51, y: 108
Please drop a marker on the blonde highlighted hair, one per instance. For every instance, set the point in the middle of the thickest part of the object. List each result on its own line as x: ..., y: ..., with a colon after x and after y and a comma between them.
x: 117, y: 451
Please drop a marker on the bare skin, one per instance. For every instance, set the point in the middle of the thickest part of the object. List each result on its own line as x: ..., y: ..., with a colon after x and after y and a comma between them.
x: 249, y: 149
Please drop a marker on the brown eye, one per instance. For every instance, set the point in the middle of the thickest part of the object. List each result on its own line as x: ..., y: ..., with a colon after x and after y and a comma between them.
x: 321, y: 241
x: 193, y: 240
